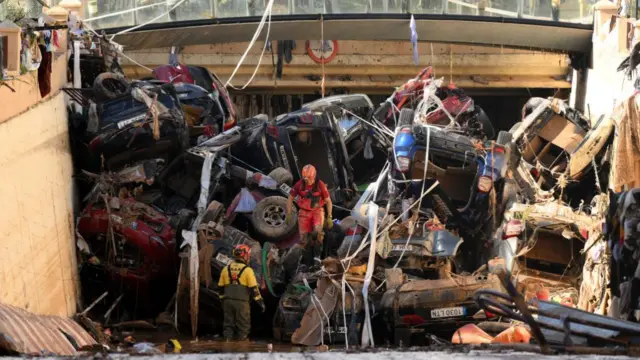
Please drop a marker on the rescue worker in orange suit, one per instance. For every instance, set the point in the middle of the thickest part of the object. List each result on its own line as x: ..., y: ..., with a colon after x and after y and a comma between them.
x: 239, y: 284
x: 313, y: 196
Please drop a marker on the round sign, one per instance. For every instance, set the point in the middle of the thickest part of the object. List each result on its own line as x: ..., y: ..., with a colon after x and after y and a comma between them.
x: 322, y: 52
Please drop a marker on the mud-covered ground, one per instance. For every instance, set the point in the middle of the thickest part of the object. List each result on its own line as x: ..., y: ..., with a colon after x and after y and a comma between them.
x: 378, y: 355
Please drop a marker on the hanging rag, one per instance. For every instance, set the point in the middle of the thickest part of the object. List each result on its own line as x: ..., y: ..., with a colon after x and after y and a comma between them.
x: 626, y: 166
x: 414, y: 39
x: 173, y: 57
x: 44, y: 72
x: 285, y: 52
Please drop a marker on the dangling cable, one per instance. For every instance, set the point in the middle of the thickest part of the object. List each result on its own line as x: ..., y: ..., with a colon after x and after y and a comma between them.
x: 322, y: 51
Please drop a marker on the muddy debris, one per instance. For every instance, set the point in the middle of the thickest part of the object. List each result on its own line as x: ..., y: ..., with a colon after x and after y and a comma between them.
x: 446, y: 231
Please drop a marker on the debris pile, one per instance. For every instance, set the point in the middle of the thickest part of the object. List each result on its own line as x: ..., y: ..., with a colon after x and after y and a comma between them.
x: 434, y: 214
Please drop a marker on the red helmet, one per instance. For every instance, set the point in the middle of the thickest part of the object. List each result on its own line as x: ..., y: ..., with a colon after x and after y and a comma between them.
x: 242, y: 252
x: 309, y: 173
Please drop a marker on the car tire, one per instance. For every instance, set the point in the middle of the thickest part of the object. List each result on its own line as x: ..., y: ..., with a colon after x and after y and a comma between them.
x: 515, y: 127
x: 510, y: 192
x: 282, y: 176
x: 406, y: 117
x: 504, y: 138
x: 268, y: 218
x: 213, y: 212
x: 487, y: 126
x: 122, y: 87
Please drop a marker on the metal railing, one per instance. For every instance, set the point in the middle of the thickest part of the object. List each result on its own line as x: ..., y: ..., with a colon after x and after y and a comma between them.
x: 135, y: 12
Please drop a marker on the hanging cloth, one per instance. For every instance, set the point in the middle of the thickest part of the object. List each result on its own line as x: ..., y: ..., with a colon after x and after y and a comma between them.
x: 44, y: 71
x: 414, y: 39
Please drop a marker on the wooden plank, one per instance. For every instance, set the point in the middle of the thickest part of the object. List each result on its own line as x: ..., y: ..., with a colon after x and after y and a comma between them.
x: 520, y: 60
x: 135, y: 71
x: 350, y: 47
x: 365, y: 82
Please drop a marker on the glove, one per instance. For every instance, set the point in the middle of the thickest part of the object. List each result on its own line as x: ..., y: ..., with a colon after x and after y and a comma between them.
x: 289, y: 219
x: 328, y: 223
x: 262, y: 306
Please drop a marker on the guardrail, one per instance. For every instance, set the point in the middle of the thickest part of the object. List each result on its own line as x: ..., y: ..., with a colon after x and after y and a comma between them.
x: 122, y: 13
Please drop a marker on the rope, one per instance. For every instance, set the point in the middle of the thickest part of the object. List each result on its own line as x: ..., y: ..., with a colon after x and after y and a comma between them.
x: 121, y: 12
x: 322, y: 84
x: 450, y: 64
x: 267, y: 12
x: 267, y: 279
x: 148, y: 22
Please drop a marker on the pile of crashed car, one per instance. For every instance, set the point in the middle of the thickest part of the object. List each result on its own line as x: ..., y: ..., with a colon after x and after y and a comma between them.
x: 433, y: 208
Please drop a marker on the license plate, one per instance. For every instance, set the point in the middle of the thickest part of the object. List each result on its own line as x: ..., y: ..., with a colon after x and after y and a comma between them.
x: 124, y: 123
x: 223, y: 259
x: 340, y: 330
x: 402, y: 247
x: 285, y: 189
x: 448, y: 312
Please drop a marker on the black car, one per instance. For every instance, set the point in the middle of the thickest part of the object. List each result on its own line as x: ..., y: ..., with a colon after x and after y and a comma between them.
x: 324, y: 133
x: 122, y: 130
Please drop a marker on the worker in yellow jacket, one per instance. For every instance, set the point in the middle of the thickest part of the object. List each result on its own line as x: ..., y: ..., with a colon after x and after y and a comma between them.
x: 239, y: 283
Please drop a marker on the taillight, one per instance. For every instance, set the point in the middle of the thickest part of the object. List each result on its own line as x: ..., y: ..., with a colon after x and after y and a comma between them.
x: 402, y: 163
x: 97, y: 141
x: 485, y: 184
x: 513, y: 228
x: 229, y: 124
x: 272, y: 130
x: 354, y: 230
x: 535, y: 173
x: 412, y: 319
x: 585, y: 233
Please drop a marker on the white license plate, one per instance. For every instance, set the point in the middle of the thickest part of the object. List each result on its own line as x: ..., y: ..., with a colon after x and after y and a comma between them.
x: 448, y: 312
x: 223, y: 259
x: 124, y: 123
x: 285, y: 188
x: 402, y: 247
x: 341, y: 330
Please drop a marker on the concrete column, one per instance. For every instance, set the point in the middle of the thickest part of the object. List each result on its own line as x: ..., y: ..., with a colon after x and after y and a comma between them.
x: 579, y: 90
x: 604, y: 11
x: 12, y: 32
x: 73, y: 6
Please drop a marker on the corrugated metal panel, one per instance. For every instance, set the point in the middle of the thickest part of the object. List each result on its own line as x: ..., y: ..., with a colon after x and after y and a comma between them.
x: 28, y: 333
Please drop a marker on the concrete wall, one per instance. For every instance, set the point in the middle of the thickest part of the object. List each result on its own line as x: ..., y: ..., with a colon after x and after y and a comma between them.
x: 606, y: 86
x: 38, y: 269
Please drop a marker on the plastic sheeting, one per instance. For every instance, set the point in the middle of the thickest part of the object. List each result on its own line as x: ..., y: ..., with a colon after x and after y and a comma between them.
x: 247, y: 203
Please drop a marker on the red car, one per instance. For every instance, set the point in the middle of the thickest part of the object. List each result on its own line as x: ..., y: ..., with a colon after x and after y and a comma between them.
x: 142, y: 259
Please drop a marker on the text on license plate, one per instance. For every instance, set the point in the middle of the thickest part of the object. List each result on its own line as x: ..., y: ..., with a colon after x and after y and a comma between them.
x: 448, y: 312
x: 285, y: 188
x: 223, y: 259
x: 402, y: 247
x: 124, y: 123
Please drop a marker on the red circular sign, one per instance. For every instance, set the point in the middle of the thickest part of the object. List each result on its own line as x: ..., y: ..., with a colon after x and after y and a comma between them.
x: 322, y: 54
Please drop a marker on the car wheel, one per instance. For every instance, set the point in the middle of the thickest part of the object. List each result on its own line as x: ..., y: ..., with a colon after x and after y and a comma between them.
x: 111, y: 85
x: 487, y: 126
x: 278, y: 324
x: 282, y: 176
x: 269, y: 217
x: 213, y: 212
x: 406, y: 117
